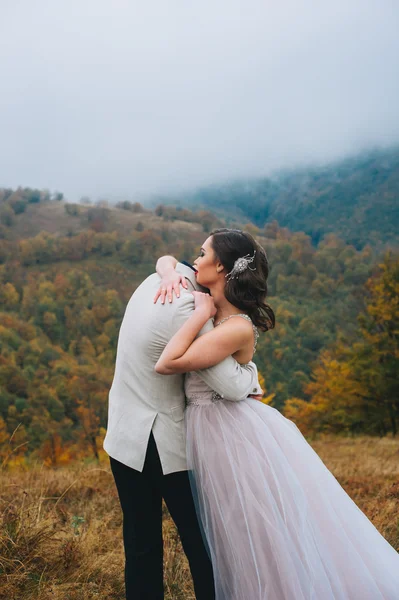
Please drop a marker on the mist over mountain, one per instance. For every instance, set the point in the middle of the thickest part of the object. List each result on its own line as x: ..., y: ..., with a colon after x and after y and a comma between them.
x: 110, y: 99
x: 357, y: 199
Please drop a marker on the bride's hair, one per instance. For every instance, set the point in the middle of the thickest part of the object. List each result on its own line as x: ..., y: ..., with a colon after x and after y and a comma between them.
x: 248, y: 290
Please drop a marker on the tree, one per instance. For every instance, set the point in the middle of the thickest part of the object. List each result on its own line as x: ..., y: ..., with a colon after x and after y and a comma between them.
x: 7, y: 215
x: 379, y: 355
x: 355, y: 387
x: 9, y: 296
x: 72, y: 209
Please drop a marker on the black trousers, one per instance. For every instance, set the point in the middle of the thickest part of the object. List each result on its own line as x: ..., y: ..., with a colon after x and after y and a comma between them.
x: 140, y: 495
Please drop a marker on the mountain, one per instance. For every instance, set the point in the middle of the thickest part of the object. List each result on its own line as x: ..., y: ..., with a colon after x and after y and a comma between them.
x: 67, y: 272
x: 357, y: 199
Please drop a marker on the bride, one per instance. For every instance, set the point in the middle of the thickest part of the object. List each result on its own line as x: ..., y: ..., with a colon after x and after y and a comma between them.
x: 277, y: 523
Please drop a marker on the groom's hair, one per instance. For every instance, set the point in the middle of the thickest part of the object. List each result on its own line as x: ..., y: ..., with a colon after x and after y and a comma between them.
x: 248, y: 290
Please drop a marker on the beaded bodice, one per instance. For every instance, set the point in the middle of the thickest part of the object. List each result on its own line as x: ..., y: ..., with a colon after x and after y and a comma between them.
x: 198, y: 393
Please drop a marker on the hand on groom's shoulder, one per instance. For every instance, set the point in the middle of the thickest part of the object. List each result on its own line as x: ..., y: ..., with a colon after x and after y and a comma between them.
x: 184, y: 308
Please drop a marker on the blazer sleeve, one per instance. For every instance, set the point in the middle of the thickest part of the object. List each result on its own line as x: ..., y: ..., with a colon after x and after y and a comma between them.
x: 228, y: 378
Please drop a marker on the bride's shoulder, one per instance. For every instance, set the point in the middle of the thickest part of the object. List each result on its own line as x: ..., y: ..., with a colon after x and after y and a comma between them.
x: 240, y: 323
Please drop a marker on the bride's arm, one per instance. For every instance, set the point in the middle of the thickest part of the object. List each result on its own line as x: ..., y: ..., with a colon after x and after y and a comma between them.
x: 170, y: 279
x: 184, y: 353
x: 165, y: 264
x: 228, y: 378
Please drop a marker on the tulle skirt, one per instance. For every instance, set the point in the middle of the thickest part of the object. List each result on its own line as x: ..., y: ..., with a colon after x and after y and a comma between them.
x: 277, y: 523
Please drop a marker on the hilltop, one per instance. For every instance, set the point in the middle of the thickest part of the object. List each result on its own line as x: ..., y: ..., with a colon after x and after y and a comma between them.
x: 66, y: 219
x: 357, y: 199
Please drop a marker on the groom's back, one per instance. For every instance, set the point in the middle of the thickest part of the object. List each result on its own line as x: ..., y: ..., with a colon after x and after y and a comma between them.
x: 140, y: 399
x: 145, y: 330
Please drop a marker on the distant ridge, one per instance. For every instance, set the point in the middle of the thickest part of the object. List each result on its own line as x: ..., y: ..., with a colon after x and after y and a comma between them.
x: 357, y: 199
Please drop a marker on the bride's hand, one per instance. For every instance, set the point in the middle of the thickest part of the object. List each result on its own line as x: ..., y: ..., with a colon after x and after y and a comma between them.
x: 205, y: 303
x: 170, y: 283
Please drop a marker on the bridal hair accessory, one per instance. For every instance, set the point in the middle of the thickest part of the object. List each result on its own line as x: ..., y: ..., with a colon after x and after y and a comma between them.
x: 241, y: 265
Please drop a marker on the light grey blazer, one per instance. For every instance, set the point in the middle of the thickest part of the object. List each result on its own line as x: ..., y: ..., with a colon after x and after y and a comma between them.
x: 141, y: 400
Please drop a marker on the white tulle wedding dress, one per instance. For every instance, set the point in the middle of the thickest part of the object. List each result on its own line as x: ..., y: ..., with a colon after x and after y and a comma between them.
x: 277, y: 523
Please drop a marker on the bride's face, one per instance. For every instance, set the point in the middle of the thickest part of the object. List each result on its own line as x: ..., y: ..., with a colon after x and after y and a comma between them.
x: 208, y: 268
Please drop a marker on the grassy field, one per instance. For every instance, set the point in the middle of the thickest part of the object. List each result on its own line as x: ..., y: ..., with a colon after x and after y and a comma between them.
x: 61, y: 529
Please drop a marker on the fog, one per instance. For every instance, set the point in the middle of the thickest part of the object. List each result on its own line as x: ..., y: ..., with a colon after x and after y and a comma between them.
x: 112, y: 98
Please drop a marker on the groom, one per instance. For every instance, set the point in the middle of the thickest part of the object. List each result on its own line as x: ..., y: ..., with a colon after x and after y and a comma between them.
x: 146, y: 440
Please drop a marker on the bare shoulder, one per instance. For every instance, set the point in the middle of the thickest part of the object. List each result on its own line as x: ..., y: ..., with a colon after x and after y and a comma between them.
x: 237, y: 325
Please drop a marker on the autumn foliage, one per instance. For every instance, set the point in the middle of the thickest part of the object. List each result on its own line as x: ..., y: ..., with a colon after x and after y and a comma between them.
x: 355, y: 386
x: 330, y: 363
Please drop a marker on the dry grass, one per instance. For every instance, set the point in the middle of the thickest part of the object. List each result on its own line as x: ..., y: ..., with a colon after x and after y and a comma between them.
x: 61, y: 529
x: 52, y: 218
x: 368, y: 469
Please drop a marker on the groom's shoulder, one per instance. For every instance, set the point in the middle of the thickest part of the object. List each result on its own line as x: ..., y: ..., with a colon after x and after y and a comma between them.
x: 153, y: 282
x: 149, y: 282
x: 184, y: 303
x: 142, y: 300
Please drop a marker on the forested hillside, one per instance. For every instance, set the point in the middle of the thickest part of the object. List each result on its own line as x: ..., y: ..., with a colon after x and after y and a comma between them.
x: 357, y: 199
x: 68, y: 270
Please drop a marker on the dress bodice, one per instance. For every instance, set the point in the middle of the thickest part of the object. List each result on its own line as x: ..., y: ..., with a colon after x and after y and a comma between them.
x: 197, y: 391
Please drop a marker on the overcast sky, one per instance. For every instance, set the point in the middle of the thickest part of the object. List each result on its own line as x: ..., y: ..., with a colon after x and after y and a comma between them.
x: 118, y: 97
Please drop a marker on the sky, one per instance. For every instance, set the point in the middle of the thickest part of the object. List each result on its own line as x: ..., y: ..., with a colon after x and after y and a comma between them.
x: 122, y: 98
